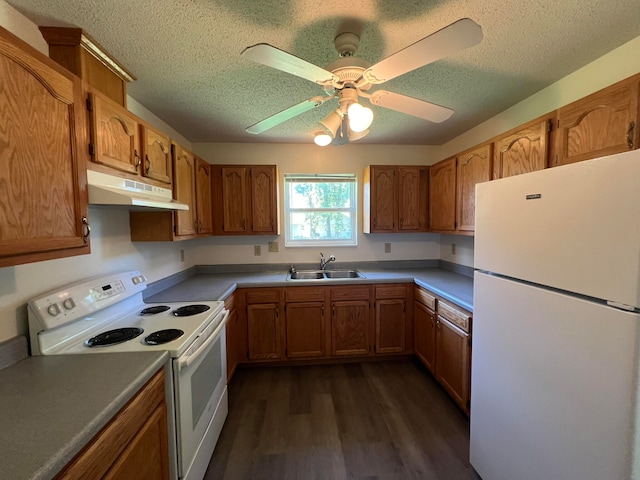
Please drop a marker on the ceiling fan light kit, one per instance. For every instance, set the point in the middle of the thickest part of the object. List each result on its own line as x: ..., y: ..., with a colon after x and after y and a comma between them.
x: 349, y: 78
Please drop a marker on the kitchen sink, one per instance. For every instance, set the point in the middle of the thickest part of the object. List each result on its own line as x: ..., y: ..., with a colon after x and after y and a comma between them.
x: 323, y: 275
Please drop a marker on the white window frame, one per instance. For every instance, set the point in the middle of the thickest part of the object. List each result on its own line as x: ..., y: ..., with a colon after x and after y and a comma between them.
x: 350, y: 178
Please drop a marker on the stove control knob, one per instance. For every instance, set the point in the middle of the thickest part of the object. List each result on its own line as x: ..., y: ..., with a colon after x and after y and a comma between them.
x: 53, y: 309
x: 68, y: 304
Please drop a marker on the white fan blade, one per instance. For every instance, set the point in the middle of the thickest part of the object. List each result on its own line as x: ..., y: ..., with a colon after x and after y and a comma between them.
x: 411, y: 106
x: 273, y: 57
x: 447, y: 41
x: 286, y: 114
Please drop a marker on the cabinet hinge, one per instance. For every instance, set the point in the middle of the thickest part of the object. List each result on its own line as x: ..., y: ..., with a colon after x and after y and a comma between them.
x: 469, y: 341
x: 89, y: 105
x: 455, y: 225
x: 92, y: 149
x: 550, y: 126
x: 456, y: 162
x: 558, y: 123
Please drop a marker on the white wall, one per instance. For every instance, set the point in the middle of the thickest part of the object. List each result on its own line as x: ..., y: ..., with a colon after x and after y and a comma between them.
x: 461, y: 254
x: 296, y: 158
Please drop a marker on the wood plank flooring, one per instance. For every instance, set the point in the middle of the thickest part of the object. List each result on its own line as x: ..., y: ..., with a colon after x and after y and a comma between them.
x: 375, y: 421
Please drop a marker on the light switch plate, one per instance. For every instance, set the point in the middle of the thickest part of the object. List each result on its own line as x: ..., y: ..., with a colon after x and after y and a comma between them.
x: 273, y: 246
x: 257, y: 251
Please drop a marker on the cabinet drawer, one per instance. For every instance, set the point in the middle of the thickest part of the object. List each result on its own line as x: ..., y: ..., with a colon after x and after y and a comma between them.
x: 391, y: 291
x: 263, y: 295
x: 304, y: 294
x: 426, y: 298
x: 350, y: 293
x: 454, y: 315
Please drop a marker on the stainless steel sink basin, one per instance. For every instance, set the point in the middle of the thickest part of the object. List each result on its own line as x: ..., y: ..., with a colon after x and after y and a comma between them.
x: 307, y: 275
x: 323, y: 275
x: 343, y: 274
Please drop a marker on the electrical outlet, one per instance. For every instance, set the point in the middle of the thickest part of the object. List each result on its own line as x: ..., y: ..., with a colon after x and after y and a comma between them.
x: 387, y: 248
x: 182, y: 256
x: 453, y: 249
x: 273, y: 246
x: 257, y: 251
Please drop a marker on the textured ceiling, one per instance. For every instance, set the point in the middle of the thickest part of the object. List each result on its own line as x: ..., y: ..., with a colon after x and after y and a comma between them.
x: 186, y: 56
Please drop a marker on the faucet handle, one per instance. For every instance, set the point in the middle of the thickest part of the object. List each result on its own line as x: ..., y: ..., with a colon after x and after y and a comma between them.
x: 292, y: 269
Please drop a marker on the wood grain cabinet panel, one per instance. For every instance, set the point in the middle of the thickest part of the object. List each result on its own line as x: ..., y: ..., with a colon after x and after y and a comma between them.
x: 245, y: 199
x: 350, y: 328
x: 305, y: 325
x: 115, y: 135
x: 204, y: 221
x: 424, y: 320
x: 523, y: 150
x: 390, y: 325
x: 156, y: 154
x: 600, y: 124
x: 474, y: 166
x: 43, y: 196
x: 263, y: 332
x: 395, y: 199
x: 184, y: 190
x: 452, y: 361
x: 442, y: 195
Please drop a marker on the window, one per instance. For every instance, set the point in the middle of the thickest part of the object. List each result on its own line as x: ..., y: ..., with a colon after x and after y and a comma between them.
x: 320, y: 210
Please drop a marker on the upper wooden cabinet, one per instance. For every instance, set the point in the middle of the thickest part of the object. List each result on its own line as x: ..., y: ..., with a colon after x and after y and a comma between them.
x: 442, y: 195
x: 84, y: 57
x: 523, y: 150
x: 115, y: 135
x: 395, y: 199
x: 43, y: 194
x: 167, y: 225
x: 245, y: 199
x: 600, y: 124
x: 474, y: 166
x: 184, y: 190
x: 156, y: 154
x: 203, y: 198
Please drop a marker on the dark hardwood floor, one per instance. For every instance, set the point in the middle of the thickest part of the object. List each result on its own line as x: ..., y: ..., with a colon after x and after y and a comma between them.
x: 374, y: 421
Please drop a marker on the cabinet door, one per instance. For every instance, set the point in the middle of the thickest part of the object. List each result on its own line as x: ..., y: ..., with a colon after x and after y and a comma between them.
x: 234, y: 199
x: 523, y: 151
x: 425, y: 335
x: 350, y: 328
x: 263, y: 330
x: 264, y: 200
x: 452, y: 361
x: 232, y: 341
x: 603, y: 123
x: 156, y: 154
x: 43, y: 197
x: 442, y: 195
x: 390, y: 325
x: 114, y: 135
x: 147, y: 456
x: 412, y: 199
x: 383, y: 199
x: 305, y: 329
x: 474, y: 167
x: 203, y: 197
x: 184, y: 172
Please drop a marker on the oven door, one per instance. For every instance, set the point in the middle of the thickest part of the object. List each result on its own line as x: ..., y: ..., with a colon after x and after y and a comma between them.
x: 200, y: 378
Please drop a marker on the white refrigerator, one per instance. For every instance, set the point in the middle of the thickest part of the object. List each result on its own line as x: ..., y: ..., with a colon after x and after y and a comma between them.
x: 556, y: 332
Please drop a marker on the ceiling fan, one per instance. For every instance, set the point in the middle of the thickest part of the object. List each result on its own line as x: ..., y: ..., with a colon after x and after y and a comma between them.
x: 349, y: 78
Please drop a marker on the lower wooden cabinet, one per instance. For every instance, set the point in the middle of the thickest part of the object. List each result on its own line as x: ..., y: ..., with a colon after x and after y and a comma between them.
x: 442, y: 343
x: 263, y: 332
x: 350, y: 328
x: 390, y: 318
x: 133, y: 445
x: 305, y: 327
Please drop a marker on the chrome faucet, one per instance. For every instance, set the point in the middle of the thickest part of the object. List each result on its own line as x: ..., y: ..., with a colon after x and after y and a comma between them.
x: 323, y: 262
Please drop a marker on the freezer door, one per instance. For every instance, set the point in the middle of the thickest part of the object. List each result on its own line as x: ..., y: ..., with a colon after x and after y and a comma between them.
x: 575, y: 227
x: 553, y: 385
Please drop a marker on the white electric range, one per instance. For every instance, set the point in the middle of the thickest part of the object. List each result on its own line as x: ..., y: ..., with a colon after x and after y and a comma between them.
x: 108, y: 315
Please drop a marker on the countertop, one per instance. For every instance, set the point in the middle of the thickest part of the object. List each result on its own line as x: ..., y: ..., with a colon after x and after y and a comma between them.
x: 52, y: 406
x: 454, y: 287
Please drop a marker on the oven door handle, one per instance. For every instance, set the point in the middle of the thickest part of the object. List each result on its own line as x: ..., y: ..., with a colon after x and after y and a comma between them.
x: 187, y: 360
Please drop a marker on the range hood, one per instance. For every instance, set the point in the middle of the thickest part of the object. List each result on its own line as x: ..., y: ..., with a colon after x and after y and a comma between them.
x: 111, y: 190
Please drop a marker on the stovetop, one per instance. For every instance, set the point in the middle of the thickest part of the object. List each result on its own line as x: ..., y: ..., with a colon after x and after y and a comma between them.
x: 64, y: 321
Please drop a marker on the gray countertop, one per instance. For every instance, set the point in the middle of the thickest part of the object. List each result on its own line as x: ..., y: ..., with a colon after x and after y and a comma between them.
x: 452, y: 286
x: 51, y: 406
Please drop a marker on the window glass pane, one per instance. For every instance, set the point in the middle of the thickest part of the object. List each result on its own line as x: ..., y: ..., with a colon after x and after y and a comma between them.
x: 320, y: 226
x: 320, y: 210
